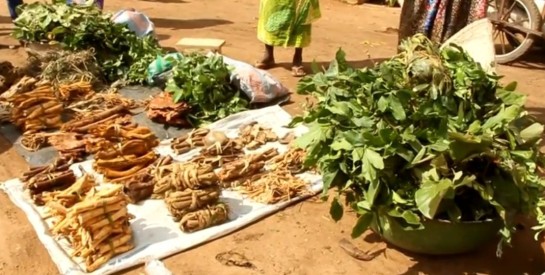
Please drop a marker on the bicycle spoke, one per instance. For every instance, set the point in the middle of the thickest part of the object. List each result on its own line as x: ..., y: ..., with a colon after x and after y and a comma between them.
x: 504, y: 16
x: 502, y: 41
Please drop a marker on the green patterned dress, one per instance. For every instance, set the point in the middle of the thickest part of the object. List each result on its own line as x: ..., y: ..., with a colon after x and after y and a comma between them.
x: 287, y: 23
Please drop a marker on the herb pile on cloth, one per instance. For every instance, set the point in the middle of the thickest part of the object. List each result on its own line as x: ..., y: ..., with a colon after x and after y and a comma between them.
x: 203, y: 82
x: 425, y: 135
x: 122, y: 54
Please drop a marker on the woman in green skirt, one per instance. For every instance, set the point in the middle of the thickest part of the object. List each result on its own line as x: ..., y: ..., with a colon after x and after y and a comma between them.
x: 286, y: 23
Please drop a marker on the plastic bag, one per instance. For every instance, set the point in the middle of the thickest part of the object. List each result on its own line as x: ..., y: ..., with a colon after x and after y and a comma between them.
x: 156, y: 267
x: 259, y: 85
x: 160, y: 66
x: 476, y: 38
x: 136, y: 21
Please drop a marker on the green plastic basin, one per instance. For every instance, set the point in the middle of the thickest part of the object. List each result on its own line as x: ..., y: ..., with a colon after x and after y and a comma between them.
x: 438, y: 237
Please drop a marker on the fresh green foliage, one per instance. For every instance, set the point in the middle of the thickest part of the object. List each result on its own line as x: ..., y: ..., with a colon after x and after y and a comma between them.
x: 203, y: 83
x: 122, y: 54
x: 425, y: 135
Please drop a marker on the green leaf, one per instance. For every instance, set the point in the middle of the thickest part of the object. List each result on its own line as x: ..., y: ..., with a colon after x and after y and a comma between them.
x: 430, y: 195
x: 532, y: 132
x: 363, y: 223
x: 374, y: 159
x: 397, y: 108
x: 336, y: 210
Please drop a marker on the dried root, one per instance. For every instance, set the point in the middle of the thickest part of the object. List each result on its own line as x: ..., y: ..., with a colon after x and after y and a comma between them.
x: 90, y: 121
x: 179, y: 203
x: 75, y: 90
x: 182, y: 176
x: 97, y: 227
x: 187, y: 142
x: 141, y: 185
x: 71, y: 195
x: 123, y: 166
x: 207, y: 217
x: 253, y: 135
x: 102, y: 101
x: 228, y: 148
x: 292, y: 160
x: 56, y: 176
x: 274, y: 187
x: 37, y: 110
x: 246, y: 166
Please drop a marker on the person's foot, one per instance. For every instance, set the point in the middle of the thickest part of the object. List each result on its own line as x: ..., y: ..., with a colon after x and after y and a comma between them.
x: 265, y: 64
x: 298, y: 71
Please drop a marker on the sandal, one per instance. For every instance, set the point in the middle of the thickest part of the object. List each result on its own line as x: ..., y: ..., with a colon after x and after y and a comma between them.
x: 264, y: 65
x: 298, y: 71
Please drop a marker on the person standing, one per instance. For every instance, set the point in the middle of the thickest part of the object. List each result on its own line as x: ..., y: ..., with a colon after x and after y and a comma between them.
x: 439, y: 19
x: 12, y: 7
x: 286, y: 23
x: 99, y: 3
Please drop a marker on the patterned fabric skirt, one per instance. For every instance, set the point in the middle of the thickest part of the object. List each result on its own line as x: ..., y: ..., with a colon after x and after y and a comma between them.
x: 439, y: 19
x: 287, y: 23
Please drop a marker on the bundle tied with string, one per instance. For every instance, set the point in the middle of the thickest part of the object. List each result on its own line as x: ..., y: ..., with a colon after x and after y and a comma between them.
x: 97, y: 227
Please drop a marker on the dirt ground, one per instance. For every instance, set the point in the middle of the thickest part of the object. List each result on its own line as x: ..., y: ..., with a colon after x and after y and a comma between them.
x: 302, y: 239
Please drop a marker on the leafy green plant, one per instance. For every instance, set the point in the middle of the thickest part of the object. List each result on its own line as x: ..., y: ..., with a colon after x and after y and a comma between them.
x: 203, y: 83
x: 121, y: 53
x: 425, y: 135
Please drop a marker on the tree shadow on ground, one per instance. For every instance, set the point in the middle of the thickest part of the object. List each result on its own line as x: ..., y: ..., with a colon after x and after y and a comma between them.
x: 526, y: 256
x: 176, y: 24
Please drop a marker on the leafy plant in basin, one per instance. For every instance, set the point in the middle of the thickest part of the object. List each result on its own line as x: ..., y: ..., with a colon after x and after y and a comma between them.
x: 425, y: 136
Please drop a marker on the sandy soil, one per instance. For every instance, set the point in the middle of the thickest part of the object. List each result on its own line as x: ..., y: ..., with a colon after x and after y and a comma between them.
x: 302, y: 239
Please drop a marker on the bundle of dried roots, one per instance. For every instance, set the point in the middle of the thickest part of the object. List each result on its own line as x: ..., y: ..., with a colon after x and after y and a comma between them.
x: 103, y: 101
x: 122, y: 167
x: 141, y: 185
x: 75, y: 90
x: 209, y: 216
x: 180, y: 203
x: 273, y: 187
x: 162, y: 109
x: 83, y: 124
x: 189, y: 141
x: 182, y: 176
x: 292, y: 161
x: 25, y: 84
x: 62, y: 199
x: 245, y: 167
x: 253, y: 135
x: 55, y: 176
x: 36, y: 110
x: 97, y: 227
x: 61, y: 67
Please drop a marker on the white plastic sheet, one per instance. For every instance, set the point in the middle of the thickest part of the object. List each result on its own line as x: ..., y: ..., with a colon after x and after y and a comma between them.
x: 155, y: 234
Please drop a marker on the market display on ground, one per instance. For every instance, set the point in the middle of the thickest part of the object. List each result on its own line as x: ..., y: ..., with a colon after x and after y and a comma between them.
x: 423, y: 142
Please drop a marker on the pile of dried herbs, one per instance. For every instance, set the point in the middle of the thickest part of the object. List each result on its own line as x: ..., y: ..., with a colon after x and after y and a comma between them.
x: 121, y: 53
x: 425, y: 135
x: 203, y: 82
